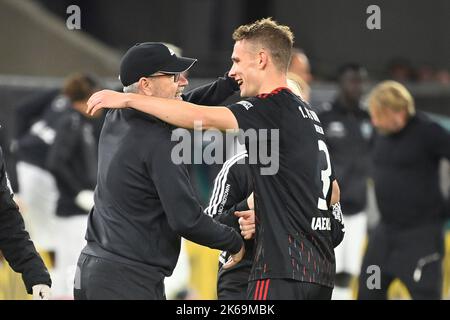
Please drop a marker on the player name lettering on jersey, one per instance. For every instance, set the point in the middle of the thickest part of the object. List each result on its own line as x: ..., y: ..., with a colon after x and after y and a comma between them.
x: 322, y: 224
x: 306, y: 113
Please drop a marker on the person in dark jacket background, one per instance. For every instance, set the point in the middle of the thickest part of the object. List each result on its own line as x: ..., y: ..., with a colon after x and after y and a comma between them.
x: 408, y: 242
x: 16, y: 245
x: 37, y: 190
x: 348, y: 132
x: 72, y: 159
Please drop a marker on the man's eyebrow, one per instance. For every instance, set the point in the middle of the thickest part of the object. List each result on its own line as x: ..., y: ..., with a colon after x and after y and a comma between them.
x: 234, y: 59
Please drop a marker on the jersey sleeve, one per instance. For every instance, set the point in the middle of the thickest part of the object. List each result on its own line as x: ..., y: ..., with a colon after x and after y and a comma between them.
x: 231, y: 190
x: 254, y: 113
x: 213, y: 93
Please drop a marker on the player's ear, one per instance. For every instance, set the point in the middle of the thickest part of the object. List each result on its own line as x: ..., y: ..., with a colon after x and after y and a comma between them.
x: 263, y: 58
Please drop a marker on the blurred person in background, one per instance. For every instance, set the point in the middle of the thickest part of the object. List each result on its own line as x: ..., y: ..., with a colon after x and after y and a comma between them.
x: 400, y: 69
x: 300, y: 66
x: 15, y: 243
x: 32, y: 110
x: 348, y: 132
x: 443, y: 77
x: 425, y: 73
x: 72, y: 159
x: 300, y: 72
x: 35, y: 133
x: 408, y: 241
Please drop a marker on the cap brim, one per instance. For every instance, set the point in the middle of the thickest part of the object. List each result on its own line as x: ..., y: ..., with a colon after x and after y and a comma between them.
x: 181, y: 64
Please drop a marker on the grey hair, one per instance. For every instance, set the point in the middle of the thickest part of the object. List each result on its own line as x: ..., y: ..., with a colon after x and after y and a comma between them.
x: 132, y: 88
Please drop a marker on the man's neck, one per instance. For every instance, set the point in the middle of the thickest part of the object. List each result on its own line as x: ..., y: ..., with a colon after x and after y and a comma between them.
x: 273, y: 82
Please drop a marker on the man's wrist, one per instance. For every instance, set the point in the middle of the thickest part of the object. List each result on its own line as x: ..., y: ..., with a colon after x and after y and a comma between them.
x: 237, y: 248
x: 128, y: 99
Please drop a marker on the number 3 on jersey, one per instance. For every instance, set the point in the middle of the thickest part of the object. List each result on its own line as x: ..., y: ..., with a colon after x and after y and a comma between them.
x: 325, y: 177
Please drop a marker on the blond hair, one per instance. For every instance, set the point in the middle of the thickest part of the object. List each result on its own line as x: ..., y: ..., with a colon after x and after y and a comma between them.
x: 278, y: 39
x: 393, y: 95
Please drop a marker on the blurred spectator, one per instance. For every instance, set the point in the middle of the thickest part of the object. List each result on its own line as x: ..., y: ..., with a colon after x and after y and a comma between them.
x: 32, y: 110
x: 408, y: 241
x: 443, y: 77
x: 400, y: 69
x: 429, y: 75
x: 300, y: 72
x: 348, y: 131
x: 72, y: 159
x: 36, y: 132
x: 425, y: 73
x: 300, y: 65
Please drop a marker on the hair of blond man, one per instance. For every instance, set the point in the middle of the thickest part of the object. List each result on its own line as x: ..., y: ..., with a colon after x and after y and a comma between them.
x: 278, y: 39
x: 298, y: 86
x: 393, y: 95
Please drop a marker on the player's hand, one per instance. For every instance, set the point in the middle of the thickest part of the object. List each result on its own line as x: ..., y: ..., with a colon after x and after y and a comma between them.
x: 246, y: 223
x: 106, y: 99
x: 235, y: 258
x: 41, y: 292
x: 251, y: 202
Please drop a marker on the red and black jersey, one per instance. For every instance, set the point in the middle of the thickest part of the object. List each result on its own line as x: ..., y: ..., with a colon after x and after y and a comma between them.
x: 293, y: 237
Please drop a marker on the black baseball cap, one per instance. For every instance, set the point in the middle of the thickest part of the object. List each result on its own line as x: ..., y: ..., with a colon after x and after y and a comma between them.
x: 145, y: 59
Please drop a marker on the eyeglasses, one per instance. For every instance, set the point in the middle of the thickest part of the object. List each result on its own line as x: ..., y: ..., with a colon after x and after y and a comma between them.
x: 176, y: 76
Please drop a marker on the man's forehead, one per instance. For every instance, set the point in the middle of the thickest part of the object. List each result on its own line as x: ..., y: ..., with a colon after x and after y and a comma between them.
x: 243, y: 47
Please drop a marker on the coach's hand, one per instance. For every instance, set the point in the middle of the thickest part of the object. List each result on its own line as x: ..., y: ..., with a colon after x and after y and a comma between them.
x: 246, y: 223
x: 235, y: 258
x: 106, y: 99
x: 41, y: 292
x: 85, y: 200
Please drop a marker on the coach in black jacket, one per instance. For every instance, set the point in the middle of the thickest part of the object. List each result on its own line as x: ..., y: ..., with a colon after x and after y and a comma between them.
x: 16, y: 245
x: 144, y: 200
